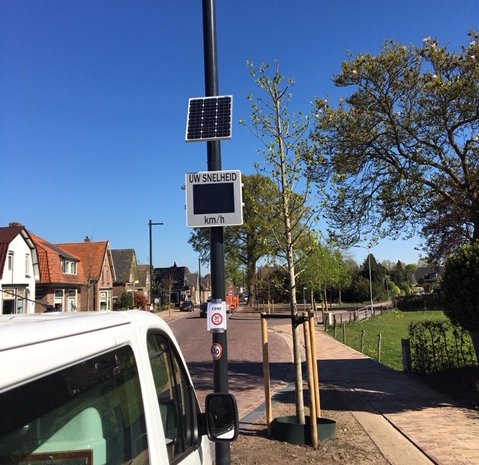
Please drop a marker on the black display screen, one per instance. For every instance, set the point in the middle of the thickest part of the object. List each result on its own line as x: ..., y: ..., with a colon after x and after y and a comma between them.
x: 213, y: 198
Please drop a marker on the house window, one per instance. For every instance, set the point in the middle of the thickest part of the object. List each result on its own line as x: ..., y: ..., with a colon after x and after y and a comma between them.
x: 27, y: 265
x: 69, y: 266
x: 72, y: 300
x: 10, y: 261
x: 58, y: 300
x: 105, y: 300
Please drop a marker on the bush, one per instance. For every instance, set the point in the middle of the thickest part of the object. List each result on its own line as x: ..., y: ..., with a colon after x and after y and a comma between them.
x: 439, y: 346
x: 460, y: 287
x: 124, y: 302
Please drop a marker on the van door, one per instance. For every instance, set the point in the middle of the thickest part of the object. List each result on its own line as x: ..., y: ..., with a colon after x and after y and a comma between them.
x: 178, y: 405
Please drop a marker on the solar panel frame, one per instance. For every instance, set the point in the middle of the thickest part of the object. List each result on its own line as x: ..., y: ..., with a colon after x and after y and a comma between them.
x: 209, y: 118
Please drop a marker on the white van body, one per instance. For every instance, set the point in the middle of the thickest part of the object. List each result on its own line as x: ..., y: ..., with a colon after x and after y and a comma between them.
x: 96, y: 389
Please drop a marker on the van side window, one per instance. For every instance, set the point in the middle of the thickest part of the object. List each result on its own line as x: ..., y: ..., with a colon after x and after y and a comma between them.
x: 89, y: 413
x: 176, y: 398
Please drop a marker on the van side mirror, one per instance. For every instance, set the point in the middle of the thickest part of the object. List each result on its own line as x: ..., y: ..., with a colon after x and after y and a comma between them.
x: 221, y: 414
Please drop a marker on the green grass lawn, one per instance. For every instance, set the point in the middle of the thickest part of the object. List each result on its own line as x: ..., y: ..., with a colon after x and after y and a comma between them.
x: 392, y: 325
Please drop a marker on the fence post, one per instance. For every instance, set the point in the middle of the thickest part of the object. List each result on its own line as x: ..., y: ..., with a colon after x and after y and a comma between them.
x: 363, y: 333
x: 406, y: 355
x: 344, y: 333
x: 379, y: 346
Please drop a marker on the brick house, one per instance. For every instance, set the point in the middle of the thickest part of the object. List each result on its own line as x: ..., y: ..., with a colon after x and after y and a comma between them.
x: 61, y: 281
x: 144, y: 281
x: 18, y: 270
x: 175, y: 281
x: 130, y: 277
x: 98, y: 273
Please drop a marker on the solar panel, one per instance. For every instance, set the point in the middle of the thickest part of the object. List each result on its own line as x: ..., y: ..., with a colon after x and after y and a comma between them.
x: 209, y: 118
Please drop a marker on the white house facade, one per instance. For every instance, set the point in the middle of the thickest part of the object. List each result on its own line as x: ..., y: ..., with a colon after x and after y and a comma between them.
x: 19, y: 270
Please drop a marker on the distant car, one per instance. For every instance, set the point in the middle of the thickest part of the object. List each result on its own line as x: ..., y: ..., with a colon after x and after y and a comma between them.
x: 203, y: 309
x: 187, y: 306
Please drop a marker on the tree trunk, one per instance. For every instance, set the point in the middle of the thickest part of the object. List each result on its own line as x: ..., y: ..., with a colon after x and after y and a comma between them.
x: 298, y: 381
x: 250, y: 280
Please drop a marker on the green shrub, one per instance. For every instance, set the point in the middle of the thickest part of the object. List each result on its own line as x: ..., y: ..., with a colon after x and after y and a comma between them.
x: 460, y: 287
x: 439, y: 346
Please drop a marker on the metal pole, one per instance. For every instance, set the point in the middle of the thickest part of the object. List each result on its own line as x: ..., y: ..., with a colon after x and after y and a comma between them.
x: 151, y: 269
x: 220, y: 366
x: 150, y: 224
x: 370, y: 281
x: 199, y: 280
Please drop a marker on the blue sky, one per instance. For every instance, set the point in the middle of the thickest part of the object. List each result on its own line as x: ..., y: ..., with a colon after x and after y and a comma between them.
x: 94, y: 93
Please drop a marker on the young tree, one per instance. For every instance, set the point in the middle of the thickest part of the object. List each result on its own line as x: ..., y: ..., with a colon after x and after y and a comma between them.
x: 402, y: 151
x: 282, y: 135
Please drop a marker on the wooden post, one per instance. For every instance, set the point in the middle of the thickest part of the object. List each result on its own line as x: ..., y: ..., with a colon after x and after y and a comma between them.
x: 363, y: 332
x: 315, y: 367
x: 266, y: 375
x: 344, y: 333
x: 379, y: 346
x: 312, y: 400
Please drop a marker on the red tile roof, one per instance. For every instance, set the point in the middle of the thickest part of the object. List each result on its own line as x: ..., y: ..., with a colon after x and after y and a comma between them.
x: 49, y: 257
x: 91, y: 255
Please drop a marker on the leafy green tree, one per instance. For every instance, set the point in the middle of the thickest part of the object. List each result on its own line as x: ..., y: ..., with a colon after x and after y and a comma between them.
x: 402, y: 150
x: 245, y: 245
x: 125, y: 301
x: 272, y: 284
x: 378, y: 277
x: 460, y: 290
x: 401, y: 275
x: 326, y: 268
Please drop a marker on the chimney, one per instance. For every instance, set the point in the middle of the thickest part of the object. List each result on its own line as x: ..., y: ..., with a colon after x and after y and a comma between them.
x: 87, y: 239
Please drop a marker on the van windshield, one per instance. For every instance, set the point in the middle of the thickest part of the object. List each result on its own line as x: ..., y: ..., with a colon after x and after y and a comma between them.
x: 89, y: 413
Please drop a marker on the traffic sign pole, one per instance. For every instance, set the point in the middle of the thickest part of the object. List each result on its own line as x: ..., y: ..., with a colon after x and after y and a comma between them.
x: 220, y: 364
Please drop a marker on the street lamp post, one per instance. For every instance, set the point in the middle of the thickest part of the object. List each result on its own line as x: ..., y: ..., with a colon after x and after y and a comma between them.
x: 150, y: 224
x: 368, y: 248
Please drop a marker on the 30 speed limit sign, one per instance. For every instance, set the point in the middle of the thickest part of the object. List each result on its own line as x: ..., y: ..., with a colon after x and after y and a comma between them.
x: 216, y: 316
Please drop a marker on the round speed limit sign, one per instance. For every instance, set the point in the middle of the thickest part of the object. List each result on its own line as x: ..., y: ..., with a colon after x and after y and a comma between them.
x: 216, y: 319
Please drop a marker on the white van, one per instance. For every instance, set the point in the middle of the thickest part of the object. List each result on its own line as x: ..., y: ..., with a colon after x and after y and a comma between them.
x: 102, y: 388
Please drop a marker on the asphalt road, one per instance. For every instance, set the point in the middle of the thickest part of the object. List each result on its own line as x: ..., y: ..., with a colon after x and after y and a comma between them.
x: 245, y: 356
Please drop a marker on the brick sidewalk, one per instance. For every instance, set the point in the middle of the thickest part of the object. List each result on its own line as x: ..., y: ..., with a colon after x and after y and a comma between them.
x: 447, y: 433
